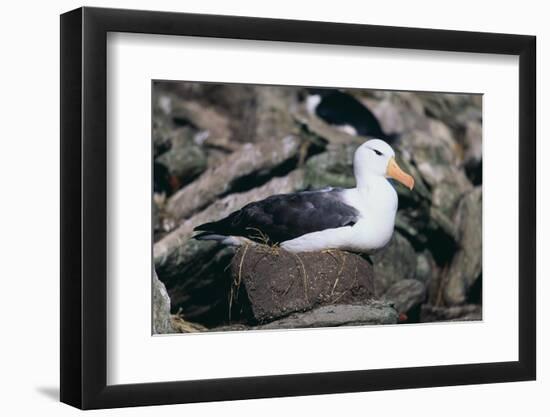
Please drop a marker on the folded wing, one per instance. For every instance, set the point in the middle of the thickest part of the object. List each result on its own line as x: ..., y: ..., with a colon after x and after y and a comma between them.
x: 286, y: 216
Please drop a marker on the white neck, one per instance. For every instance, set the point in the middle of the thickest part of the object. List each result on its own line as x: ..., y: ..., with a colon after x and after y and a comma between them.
x: 364, y: 178
x: 376, y: 191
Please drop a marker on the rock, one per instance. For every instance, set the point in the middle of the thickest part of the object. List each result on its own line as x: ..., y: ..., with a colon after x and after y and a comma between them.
x: 434, y: 154
x: 420, y: 192
x: 171, y: 255
x: 252, y: 113
x: 321, y: 133
x: 425, y: 267
x: 417, y: 218
x: 441, y: 133
x: 156, y: 220
x: 448, y: 191
x: 466, y: 265
x: 161, y: 308
x: 397, y: 112
x: 242, y: 169
x: 432, y: 157
x: 185, y: 160
x: 278, y: 283
x: 204, y: 118
x: 473, y: 151
x: 161, y: 132
x: 369, y: 313
x: 406, y: 294
x: 472, y: 142
x: 426, y: 214
x: 388, y: 114
x: 333, y: 168
x: 255, y: 113
x: 196, y: 278
x: 469, y: 312
x: 395, y: 262
x: 440, y: 221
x: 274, y: 107
x: 234, y: 327
x: 447, y: 107
x: 461, y: 113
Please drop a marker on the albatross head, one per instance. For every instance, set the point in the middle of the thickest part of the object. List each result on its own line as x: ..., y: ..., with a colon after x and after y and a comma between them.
x: 376, y: 158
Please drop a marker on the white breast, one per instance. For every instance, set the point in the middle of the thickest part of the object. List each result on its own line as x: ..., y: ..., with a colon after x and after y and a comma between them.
x: 377, y: 206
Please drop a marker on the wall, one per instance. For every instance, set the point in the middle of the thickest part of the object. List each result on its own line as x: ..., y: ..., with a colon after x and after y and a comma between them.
x: 30, y: 204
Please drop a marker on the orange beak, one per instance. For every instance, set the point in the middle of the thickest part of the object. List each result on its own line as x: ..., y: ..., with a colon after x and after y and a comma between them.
x: 393, y: 171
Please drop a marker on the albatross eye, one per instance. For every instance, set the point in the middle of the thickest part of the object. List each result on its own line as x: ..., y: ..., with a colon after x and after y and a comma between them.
x: 377, y: 152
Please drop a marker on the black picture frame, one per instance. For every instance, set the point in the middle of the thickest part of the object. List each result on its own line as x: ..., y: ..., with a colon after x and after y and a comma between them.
x: 84, y: 207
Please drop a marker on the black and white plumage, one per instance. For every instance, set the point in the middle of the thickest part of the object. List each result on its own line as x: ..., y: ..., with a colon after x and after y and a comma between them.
x: 285, y: 216
x: 360, y: 219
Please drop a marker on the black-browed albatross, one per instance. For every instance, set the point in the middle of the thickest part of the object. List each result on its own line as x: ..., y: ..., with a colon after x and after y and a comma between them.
x: 359, y: 219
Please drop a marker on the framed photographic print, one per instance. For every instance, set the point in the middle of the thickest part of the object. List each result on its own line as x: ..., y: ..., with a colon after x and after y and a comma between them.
x: 258, y: 208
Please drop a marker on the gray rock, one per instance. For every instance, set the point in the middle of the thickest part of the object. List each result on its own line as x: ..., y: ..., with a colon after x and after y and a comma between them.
x: 426, y: 268
x: 203, y: 117
x: 426, y: 213
x: 472, y: 143
x: 461, y: 113
x: 447, y: 107
x: 469, y: 312
x: 417, y: 219
x: 242, y: 113
x: 369, y: 313
x: 197, y: 281
x: 406, y: 294
x: 161, y: 308
x: 430, y: 157
x: 234, y: 327
x: 466, y: 265
x: 320, y: 133
x: 389, y: 115
x: 278, y: 283
x: 398, y: 112
x: 157, y: 222
x: 440, y: 222
x: 184, y: 160
x: 420, y: 191
x: 447, y: 192
x: 434, y: 154
x: 443, y: 135
x: 395, y: 262
x: 274, y: 107
x: 251, y: 159
x: 333, y: 168
x: 161, y: 132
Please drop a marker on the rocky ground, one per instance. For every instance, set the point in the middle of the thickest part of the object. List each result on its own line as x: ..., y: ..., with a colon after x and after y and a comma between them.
x: 219, y: 147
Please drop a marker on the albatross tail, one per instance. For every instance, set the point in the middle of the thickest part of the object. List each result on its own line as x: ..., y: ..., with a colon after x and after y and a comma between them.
x: 224, y: 240
x: 209, y: 236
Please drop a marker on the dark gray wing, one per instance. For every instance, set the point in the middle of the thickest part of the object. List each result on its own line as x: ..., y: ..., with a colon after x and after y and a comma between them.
x: 286, y: 216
